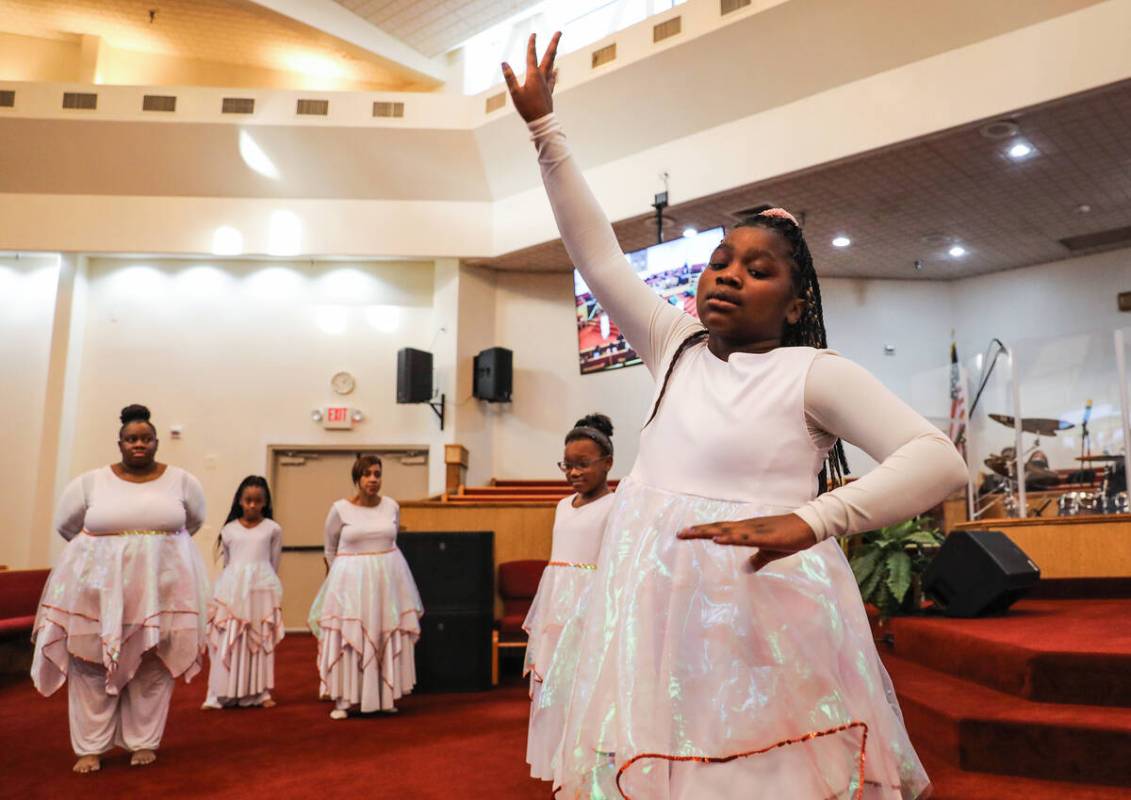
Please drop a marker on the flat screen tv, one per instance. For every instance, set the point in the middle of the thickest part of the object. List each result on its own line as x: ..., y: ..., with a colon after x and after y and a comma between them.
x: 671, y: 269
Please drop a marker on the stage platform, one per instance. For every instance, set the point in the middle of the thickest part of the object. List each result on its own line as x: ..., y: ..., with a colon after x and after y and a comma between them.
x: 1033, y: 704
x: 1069, y: 547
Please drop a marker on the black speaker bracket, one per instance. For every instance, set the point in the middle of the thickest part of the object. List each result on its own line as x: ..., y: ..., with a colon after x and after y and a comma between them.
x: 439, y: 409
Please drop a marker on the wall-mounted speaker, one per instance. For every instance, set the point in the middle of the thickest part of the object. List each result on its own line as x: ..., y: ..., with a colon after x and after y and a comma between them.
x: 493, y: 373
x: 414, y: 376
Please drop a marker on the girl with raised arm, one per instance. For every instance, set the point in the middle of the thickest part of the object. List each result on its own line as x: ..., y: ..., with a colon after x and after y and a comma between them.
x: 726, y: 651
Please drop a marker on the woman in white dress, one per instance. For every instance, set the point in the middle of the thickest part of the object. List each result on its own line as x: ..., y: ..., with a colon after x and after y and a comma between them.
x: 726, y: 651
x: 563, y: 591
x: 245, y: 617
x: 367, y: 614
x: 123, y: 612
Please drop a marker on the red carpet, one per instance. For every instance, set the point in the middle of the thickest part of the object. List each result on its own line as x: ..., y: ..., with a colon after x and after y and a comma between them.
x: 439, y: 746
x: 980, y: 698
x: 1043, y: 692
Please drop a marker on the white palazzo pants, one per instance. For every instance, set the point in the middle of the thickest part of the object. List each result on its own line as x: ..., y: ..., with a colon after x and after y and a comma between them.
x: 133, y: 719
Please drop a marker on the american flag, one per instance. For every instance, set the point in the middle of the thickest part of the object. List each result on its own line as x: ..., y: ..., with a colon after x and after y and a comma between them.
x: 958, y: 412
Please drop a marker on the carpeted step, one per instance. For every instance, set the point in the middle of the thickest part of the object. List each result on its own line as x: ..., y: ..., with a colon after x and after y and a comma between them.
x: 1054, y: 651
x: 977, y: 728
x: 952, y: 783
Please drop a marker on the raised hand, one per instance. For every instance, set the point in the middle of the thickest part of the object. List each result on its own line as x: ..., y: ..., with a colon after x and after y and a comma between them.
x: 535, y: 97
x: 775, y: 537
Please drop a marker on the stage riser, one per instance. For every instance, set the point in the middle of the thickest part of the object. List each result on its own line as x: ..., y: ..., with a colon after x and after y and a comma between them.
x: 978, y: 729
x: 1069, y: 547
x: 1076, y: 678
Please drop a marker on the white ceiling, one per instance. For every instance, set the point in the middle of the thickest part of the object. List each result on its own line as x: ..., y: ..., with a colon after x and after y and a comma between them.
x: 434, y: 26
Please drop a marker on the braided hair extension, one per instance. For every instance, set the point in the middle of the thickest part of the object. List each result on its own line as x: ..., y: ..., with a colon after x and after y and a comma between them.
x: 808, y: 331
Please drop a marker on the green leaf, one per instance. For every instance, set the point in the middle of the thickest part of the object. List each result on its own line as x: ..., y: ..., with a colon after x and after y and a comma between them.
x: 863, y: 565
x: 868, y: 588
x: 899, y: 575
x: 923, y: 537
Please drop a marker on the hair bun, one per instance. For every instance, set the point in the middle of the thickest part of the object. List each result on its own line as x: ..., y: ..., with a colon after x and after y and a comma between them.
x: 597, y: 421
x: 134, y: 413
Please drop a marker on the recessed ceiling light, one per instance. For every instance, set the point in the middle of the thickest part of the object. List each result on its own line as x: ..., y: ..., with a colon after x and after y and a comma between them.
x: 957, y: 251
x: 689, y: 233
x: 841, y: 241
x: 1083, y: 208
x: 1000, y: 129
x: 1020, y: 150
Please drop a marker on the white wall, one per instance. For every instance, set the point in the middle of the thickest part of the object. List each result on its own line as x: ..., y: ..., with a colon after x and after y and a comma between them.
x: 239, y: 353
x: 536, y: 319
x: 1060, y: 320
x: 27, y: 307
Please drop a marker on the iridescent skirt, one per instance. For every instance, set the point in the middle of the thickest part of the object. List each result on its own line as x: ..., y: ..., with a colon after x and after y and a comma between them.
x: 697, y: 679
x: 245, y: 623
x: 111, y: 599
x: 367, y: 620
x: 562, y: 596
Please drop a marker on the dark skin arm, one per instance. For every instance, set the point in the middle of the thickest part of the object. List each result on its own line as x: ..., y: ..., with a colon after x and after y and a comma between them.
x: 775, y: 537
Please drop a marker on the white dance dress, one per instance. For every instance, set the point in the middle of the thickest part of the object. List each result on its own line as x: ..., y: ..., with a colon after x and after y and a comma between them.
x: 245, y: 617
x: 367, y: 614
x: 123, y: 611
x: 563, y: 593
x: 696, y: 679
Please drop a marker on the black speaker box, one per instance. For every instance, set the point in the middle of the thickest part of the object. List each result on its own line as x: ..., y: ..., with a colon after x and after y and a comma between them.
x: 453, y: 571
x: 454, y: 651
x: 414, y: 376
x: 493, y: 374
x: 977, y: 573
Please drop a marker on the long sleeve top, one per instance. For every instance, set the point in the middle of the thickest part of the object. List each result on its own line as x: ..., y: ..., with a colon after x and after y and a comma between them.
x: 918, y: 465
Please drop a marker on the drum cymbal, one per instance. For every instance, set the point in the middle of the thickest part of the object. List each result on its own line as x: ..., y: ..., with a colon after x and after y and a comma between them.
x: 1036, y: 476
x: 1039, y: 425
x: 999, y: 465
x: 1104, y: 457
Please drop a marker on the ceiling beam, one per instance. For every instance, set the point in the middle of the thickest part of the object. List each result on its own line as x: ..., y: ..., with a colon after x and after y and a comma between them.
x: 329, y: 17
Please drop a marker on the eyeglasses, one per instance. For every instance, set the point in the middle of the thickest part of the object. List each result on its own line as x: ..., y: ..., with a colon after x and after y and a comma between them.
x: 566, y: 466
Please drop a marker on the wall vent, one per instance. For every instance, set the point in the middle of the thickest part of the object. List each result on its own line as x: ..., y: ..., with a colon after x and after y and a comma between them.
x: 7, y: 98
x: 313, y: 108
x: 158, y: 102
x: 604, y: 55
x: 384, y: 109
x: 496, y: 101
x: 1114, y: 237
x: 727, y: 6
x: 238, y: 105
x: 667, y: 29
x: 87, y: 101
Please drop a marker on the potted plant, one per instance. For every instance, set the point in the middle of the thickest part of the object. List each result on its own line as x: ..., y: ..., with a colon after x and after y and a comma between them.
x: 889, y: 564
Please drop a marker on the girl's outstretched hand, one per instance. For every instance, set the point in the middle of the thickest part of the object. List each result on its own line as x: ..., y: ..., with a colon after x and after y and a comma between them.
x: 535, y: 97
x: 775, y: 537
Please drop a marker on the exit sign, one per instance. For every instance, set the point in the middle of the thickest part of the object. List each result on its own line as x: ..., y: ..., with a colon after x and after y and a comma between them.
x: 337, y: 417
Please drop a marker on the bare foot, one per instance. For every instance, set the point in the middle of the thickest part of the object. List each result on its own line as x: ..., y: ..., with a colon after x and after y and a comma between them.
x: 141, y: 758
x: 208, y: 707
x: 390, y: 711
x: 88, y: 764
x: 338, y: 713
x: 268, y: 703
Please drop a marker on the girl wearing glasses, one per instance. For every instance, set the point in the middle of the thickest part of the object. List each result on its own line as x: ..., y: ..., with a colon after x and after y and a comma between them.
x: 579, y: 524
